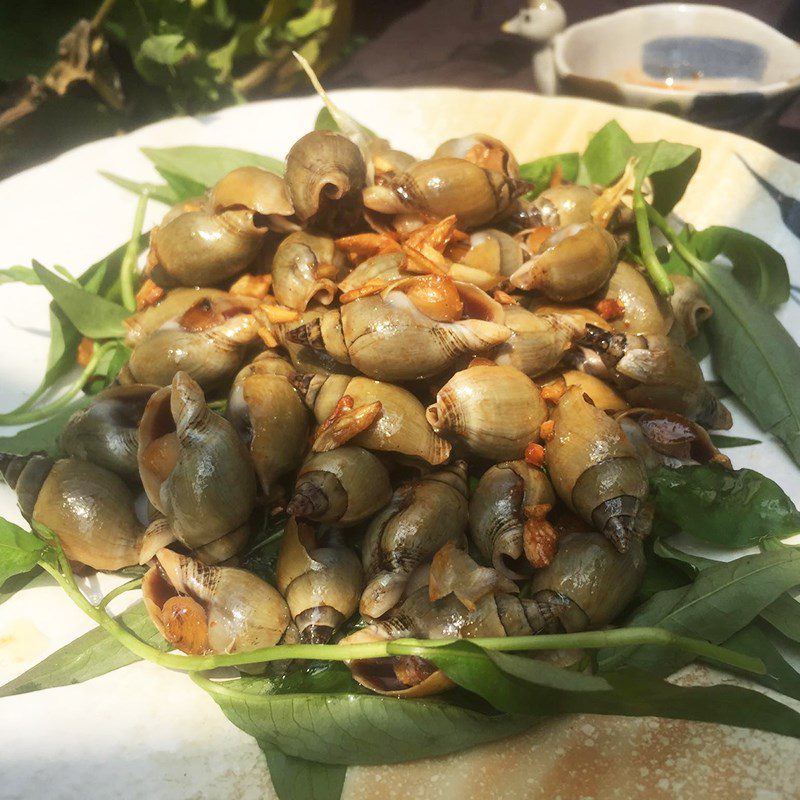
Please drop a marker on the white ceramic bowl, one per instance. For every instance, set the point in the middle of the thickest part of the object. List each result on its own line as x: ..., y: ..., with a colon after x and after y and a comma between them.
x: 711, y: 64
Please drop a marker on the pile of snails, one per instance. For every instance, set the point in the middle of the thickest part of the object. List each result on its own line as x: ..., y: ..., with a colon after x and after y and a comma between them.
x: 452, y: 391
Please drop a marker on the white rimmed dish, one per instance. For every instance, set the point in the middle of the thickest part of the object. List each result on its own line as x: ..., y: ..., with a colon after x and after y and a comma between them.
x: 142, y: 732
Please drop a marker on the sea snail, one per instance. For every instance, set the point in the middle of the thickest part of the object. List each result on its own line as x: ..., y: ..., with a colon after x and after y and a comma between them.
x: 321, y: 579
x: 594, y: 468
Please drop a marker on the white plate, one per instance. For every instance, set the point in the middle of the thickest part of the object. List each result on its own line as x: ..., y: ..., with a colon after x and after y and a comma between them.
x: 144, y: 732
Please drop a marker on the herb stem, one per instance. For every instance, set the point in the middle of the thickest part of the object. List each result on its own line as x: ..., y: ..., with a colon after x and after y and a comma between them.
x: 22, y: 415
x: 129, y: 586
x: 683, y: 251
x: 127, y: 271
x: 618, y: 637
x: 100, y: 15
x: 655, y: 269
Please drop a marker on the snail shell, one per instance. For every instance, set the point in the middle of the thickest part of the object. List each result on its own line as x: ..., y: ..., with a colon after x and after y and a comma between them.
x: 565, y: 205
x: 644, y: 310
x: 386, y: 267
x: 573, y: 263
x: 690, y: 306
x: 421, y: 517
x: 596, y: 579
x: 325, y: 173
x: 483, y: 150
x: 391, y: 338
x: 270, y: 417
x: 107, y: 432
x: 321, y: 582
x: 401, y: 426
x: 342, y: 486
x: 496, y: 513
x: 418, y: 616
x: 256, y: 189
x: 663, y: 437
x: 202, y: 248
x: 656, y: 372
x: 598, y: 391
x: 594, y: 469
x: 194, y: 467
x: 204, y: 333
x: 89, y: 508
x: 296, y: 281
x: 495, y: 410
x: 439, y: 187
x: 537, y: 342
x: 205, y: 609
x: 494, y: 251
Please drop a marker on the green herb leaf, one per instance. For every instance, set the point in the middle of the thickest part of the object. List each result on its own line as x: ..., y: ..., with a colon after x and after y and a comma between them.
x: 20, y: 550
x: 754, y: 355
x: 162, y: 193
x: 778, y: 654
x: 607, y: 153
x: 690, y: 563
x: 731, y: 508
x: 660, y: 574
x: 534, y: 687
x: 540, y: 171
x: 722, y: 600
x: 206, y: 165
x: 723, y: 441
x: 670, y: 166
x: 758, y: 267
x: 89, y: 656
x: 325, y: 121
x: 19, y: 275
x: 784, y: 615
x: 299, y: 779
x: 92, y: 315
x: 752, y: 352
x: 42, y: 437
x: 351, y: 728
x: 183, y: 187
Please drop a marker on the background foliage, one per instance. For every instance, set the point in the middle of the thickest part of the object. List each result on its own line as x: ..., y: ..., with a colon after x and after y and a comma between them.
x: 76, y: 70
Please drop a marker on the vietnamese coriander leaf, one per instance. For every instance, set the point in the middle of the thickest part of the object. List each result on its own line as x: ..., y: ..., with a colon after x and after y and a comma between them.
x: 93, y: 315
x: 19, y: 275
x: 724, y: 441
x: 752, y: 352
x: 353, y: 728
x: 730, y: 508
x: 668, y: 165
x: 758, y: 267
x: 20, y: 550
x: 780, y: 655
x: 784, y: 615
x: 163, y: 193
x: 296, y: 778
x: 89, y: 656
x: 534, y: 687
x: 722, y: 600
x: 540, y: 172
x: 204, y: 166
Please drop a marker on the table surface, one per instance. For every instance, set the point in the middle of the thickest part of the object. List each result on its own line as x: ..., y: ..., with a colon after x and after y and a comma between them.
x: 459, y: 43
